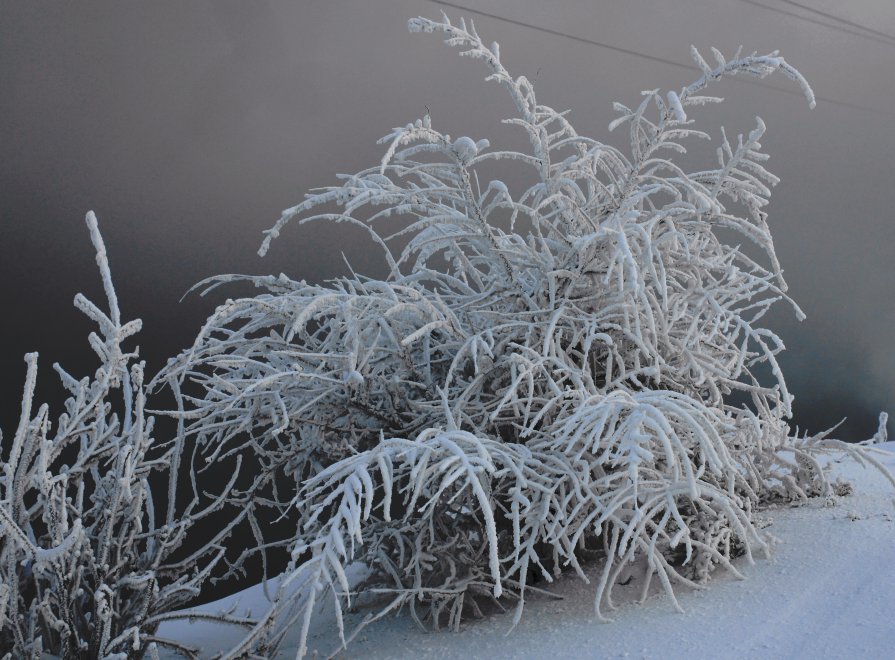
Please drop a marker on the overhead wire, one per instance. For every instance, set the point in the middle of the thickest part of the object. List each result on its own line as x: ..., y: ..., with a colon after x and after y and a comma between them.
x: 888, y: 41
x: 635, y: 53
x: 572, y: 37
x: 839, y: 19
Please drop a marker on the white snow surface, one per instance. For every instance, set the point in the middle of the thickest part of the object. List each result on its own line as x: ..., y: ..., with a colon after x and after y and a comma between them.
x: 827, y: 591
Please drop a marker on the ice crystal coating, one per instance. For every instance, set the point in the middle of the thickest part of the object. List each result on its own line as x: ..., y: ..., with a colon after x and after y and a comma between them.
x: 544, y: 378
x: 86, y: 570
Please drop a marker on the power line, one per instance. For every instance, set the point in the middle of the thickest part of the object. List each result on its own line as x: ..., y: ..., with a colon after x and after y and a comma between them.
x: 831, y: 26
x: 635, y: 53
x: 839, y: 19
x: 556, y: 33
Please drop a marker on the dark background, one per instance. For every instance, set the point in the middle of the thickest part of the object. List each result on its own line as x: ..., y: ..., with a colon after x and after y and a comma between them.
x: 188, y: 126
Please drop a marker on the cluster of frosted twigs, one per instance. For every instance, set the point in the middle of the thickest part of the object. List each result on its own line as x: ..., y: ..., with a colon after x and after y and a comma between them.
x: 547, y: 375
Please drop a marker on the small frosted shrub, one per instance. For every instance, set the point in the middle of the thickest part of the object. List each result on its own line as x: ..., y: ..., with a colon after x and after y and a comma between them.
x: 544, y: 376
x: 86, y: 552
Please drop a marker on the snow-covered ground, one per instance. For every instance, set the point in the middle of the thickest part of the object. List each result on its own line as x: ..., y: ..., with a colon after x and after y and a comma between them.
x: 828, y: 591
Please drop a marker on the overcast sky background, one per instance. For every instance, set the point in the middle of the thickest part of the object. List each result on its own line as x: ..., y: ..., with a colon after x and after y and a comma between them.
x: 188, y: 127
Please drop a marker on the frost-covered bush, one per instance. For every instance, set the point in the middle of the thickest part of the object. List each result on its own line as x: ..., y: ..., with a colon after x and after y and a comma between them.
x: 87, y: 565
x: 545, y: 375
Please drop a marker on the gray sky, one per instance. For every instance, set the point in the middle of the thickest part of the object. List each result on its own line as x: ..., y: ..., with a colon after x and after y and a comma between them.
x: 188, y: 126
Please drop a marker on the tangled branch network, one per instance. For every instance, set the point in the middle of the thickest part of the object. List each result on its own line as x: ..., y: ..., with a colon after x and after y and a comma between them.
x: 542, y: 377
x: 546, y: 377
x: 90, y: 562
